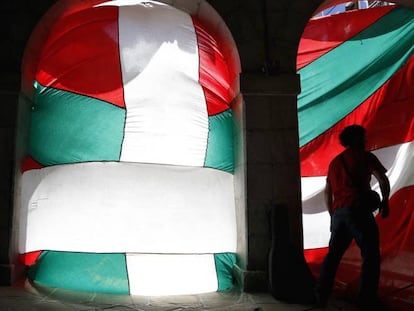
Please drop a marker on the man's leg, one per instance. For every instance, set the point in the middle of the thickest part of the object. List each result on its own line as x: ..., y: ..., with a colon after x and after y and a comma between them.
x: 338, y: 244
x: 367, y: 238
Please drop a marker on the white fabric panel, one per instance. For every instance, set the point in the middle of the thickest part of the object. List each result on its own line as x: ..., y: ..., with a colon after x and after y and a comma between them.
x: 171, y: 274
x: 166, y: 116
x: 398, y: 159
x: 128, y: 207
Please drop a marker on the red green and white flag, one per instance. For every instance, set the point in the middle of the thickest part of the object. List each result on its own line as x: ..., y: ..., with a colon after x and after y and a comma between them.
x: 358, y: 67
x: 128, y: 174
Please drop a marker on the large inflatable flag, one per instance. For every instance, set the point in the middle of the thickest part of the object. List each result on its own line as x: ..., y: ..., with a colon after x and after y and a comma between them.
x: 357, y: 67
x: 127, y: 181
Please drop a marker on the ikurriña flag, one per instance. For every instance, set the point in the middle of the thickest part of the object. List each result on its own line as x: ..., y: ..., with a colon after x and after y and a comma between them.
x: 357, y: 67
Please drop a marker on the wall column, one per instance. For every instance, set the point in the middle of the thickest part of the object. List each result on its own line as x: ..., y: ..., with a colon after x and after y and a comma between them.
x: 272, y: 174
x: 8, y: 99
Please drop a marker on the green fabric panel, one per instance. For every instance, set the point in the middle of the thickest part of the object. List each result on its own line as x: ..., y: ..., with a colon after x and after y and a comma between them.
x: 104, y: 273
x: 224, y: 268
x: 339, y: 81
x: 219, y: 153
x: 70, y: 128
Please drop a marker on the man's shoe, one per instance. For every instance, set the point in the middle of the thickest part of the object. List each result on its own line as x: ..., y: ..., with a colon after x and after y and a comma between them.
x: 320, y: 300
x: 372, y: 304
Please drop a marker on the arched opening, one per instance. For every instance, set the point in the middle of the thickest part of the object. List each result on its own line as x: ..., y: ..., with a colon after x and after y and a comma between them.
x: 356, y: 67
x: 126, y: 149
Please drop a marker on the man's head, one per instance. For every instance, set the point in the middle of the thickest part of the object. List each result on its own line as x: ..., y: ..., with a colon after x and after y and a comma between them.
x: 353, y: 136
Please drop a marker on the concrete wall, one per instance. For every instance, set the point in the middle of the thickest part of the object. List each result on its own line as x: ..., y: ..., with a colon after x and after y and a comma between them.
x: 272, y: 168
x: 18, y: 18
x: 7, y: 122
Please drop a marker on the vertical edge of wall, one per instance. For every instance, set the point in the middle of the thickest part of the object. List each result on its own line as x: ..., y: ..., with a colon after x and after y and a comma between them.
x: 271, y: 163
x: 240, y: 188
x: 21, y: 144
x: 8, y: 97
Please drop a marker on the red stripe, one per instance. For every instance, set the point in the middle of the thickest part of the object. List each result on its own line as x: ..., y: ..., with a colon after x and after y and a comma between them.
x: 388, y: 116
x: 213, y: 69
x: 30, y: 164
x: 397, y: 247
x: 315, y: 257
x: 324, y: 34
x: 29, y: 259
x: 81, y: 54
x: 397, y: 231
x: 40, y: 35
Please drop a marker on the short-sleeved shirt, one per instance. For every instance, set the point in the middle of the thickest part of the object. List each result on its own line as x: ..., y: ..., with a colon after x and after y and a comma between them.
x: 361, y: 164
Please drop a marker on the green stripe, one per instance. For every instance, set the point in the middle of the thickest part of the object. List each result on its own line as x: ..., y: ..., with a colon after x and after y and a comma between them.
x: 338, y: 82
x: 103, y: 273
x: 70, y: 128
x: 224, y: 268
x: 219, y: 153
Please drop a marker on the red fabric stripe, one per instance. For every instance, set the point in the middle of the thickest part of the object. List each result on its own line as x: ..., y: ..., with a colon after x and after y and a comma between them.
x: 324, y: 34
x: 315, y: 256
x: 397, y: 233
x: 30, y: 164
x: 40, y: 35
x: 29, y: 259
x: 81, y: 55
x: 397, y: 246
x: 388, y: 116
x: 396, y: 239
x: 213, y: 68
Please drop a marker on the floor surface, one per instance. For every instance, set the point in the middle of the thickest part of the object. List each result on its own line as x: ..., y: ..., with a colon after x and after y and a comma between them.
x: 25, y: 297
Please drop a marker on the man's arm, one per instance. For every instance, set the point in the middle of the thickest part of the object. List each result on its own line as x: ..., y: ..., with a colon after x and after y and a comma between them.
x: 384, y: 184
x: 328, y: 196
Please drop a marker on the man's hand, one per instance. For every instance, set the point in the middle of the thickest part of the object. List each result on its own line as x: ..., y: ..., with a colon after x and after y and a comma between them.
x: 384, y: 184
x: 384, y: 209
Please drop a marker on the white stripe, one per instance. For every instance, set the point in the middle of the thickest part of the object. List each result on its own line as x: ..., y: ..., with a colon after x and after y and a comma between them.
x: 127, y: 207
x: 147, y: 3
x: 166, y: 117
x: 398, y: 159
x: 154, y: 274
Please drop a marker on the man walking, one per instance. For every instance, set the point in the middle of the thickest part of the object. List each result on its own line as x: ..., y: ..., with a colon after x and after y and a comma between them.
x: 348, y: 178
